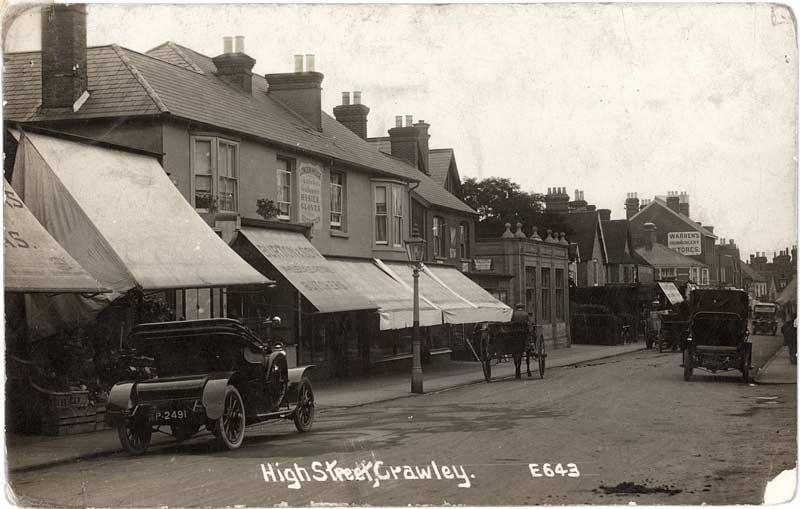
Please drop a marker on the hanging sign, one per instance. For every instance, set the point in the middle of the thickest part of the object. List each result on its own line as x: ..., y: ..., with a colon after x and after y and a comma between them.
x: 310, y: 184
x: 686, y: 243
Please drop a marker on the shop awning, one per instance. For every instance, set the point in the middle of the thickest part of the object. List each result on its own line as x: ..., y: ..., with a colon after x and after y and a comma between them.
x: 487, y: 308
x: 122, y: 218
x: 307, y: 270
x: 394, y: 301
x: 456, y: 308
x: 671, y: 292
x: 33, y: 261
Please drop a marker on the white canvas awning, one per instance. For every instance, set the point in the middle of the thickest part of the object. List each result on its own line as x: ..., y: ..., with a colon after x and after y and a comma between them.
x: 121, y: 218
x: 442, y: 292
x: 32, y: 260
x: 306, y: 269
x: 671, y: 292
x: 395, y: 301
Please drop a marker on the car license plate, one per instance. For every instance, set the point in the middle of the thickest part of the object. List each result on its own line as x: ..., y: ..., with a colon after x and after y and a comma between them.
x: 171, y: 415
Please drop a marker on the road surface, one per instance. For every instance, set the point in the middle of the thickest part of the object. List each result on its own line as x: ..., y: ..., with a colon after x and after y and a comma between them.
x: 622, y: 429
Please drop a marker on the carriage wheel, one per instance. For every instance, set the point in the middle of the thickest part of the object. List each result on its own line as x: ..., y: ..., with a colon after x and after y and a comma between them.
x: 486, y: 360
x: 541, y: 355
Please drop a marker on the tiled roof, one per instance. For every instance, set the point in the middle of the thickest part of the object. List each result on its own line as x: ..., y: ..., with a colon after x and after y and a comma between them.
x: 439, y: 164
x: 114, y: 88
x: 662, y: 256
x: 615, y: 234
x: 748, y: 271
x: 658, y: 201
x: 172, y: 53
x: 126, y: 83
x: 582, y: 227
x: 435, y: 194
x: 383, y: 144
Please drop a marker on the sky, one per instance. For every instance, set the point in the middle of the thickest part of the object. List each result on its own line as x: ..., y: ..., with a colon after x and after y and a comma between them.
x: 609, y: 99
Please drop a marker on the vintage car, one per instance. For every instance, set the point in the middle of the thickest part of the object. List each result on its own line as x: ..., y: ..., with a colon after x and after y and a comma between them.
x: 764, y: 318
x: 718, y: 339
x: 213, y: 374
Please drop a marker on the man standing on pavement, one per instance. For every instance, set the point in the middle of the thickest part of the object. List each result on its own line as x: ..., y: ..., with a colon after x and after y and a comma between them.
x: 789, y: 330
x: 519, y: 337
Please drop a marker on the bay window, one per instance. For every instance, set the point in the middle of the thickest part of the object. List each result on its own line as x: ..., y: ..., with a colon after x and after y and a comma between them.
x: 381, y: 216
x: 397, y: 224
x: 215, y: 169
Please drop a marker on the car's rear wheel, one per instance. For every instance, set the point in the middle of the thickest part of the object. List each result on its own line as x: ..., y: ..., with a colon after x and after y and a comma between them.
x: 134, y: 436
x: 229, y: 428
x: 304, y: 413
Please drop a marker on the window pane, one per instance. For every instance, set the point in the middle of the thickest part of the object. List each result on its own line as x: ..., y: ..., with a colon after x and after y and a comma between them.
x: 337, y: 198
x: 202, y: 157
x: 202, y: 192
x: 380, y: 229
x: 381, y: 220
x: 284, y: 195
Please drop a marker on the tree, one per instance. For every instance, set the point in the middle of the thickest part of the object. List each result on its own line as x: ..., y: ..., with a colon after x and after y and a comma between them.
x: 499, y: 201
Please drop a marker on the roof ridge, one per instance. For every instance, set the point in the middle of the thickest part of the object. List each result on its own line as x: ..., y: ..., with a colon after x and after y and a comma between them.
x: 178, y: 49
x: 159, y: 60
x: 683, y: 218
x: 142, y: 81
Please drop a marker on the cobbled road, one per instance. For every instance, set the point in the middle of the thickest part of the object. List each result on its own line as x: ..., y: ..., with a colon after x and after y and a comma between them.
x: 629, y: 423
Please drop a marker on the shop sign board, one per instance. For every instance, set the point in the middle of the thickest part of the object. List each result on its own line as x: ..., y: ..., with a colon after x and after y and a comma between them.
x: 686, y: 243
x: 310, y: 184
x: 482, y: 264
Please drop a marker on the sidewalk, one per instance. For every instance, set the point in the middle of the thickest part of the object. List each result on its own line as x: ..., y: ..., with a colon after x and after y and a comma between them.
x: 778, y: 370
x: 28, y: 452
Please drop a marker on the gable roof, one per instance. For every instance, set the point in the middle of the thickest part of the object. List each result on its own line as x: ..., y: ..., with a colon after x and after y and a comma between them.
x: 440, y: 160
x: 749, y: 272
x: 586, y: 227
x: 662, y: 256
x: 617, y: 238
x: 661, y: 203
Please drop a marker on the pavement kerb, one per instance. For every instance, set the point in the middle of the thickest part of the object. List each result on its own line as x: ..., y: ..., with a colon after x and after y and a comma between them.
x: 323, y: 409
x: 763, y: 369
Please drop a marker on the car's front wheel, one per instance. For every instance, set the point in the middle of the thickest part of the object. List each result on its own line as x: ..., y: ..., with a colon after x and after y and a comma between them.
x: 134, y: 436
x: 229, y: 428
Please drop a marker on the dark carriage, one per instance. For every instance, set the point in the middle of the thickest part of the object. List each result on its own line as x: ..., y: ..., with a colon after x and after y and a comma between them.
x: 213, y: 374
x: 503, y: 341
x: 718, y: 337
x: 765, y: 318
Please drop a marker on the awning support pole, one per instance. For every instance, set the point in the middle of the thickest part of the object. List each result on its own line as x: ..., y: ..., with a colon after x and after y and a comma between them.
x: 416, y: 366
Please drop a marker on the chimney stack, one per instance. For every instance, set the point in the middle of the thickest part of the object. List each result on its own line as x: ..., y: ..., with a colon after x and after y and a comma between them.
x: 556, y: 200
x: 300, y: 91
x: 683, y: 204
x: 353, y: 116
x: 649, y: 235
x: 631, y: 205
x: 579, y: 204
x: 235, y: 67
x: 605, y: 214
x: 410, y: 143
x: 64, y: 75
x: 673, y: 201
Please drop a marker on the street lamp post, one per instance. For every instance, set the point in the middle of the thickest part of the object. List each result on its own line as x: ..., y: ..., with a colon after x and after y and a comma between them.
x: 415, y: 249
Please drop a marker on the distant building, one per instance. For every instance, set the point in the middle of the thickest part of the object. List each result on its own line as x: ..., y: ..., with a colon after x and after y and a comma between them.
x: 668, y: 264
x: 777, y: 274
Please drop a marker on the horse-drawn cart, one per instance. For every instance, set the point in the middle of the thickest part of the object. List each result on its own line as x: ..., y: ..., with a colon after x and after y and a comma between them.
x: 673, y: 331
x: 493, y: 343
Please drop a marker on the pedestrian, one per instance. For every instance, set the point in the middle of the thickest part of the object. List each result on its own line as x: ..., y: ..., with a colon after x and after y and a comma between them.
x: 789, y: 330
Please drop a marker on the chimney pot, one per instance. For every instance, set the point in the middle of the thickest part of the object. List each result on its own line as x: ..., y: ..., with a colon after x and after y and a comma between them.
x: 310, y: 63
x: 409, y: 120
x: 357, y: 97
x: 298, y: 63
x: 345, y: 98
x: 239, y: 44
x: 398, y: 120
x: 227, y: 45
x: 300, y: 91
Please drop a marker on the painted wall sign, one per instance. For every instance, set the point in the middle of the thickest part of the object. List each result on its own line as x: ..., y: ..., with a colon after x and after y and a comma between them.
x: 310, y: 187
x: 686, y: 243
x: 482, y: 264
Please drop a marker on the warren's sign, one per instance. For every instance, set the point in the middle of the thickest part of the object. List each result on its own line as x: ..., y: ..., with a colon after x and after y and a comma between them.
x: 686, y: 243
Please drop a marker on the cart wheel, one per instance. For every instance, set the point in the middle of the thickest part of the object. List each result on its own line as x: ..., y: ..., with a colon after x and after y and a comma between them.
x: 486, y: 359
x: 687, y: 365
x: 134, y: 436
x: 648, y: 342
x: 230, y: 426
x: 540, y: 353
x: 746, y: 368
x: 304, y: 413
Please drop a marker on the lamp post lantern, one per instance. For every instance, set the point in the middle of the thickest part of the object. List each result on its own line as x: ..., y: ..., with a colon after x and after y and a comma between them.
x: 415, y: 250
